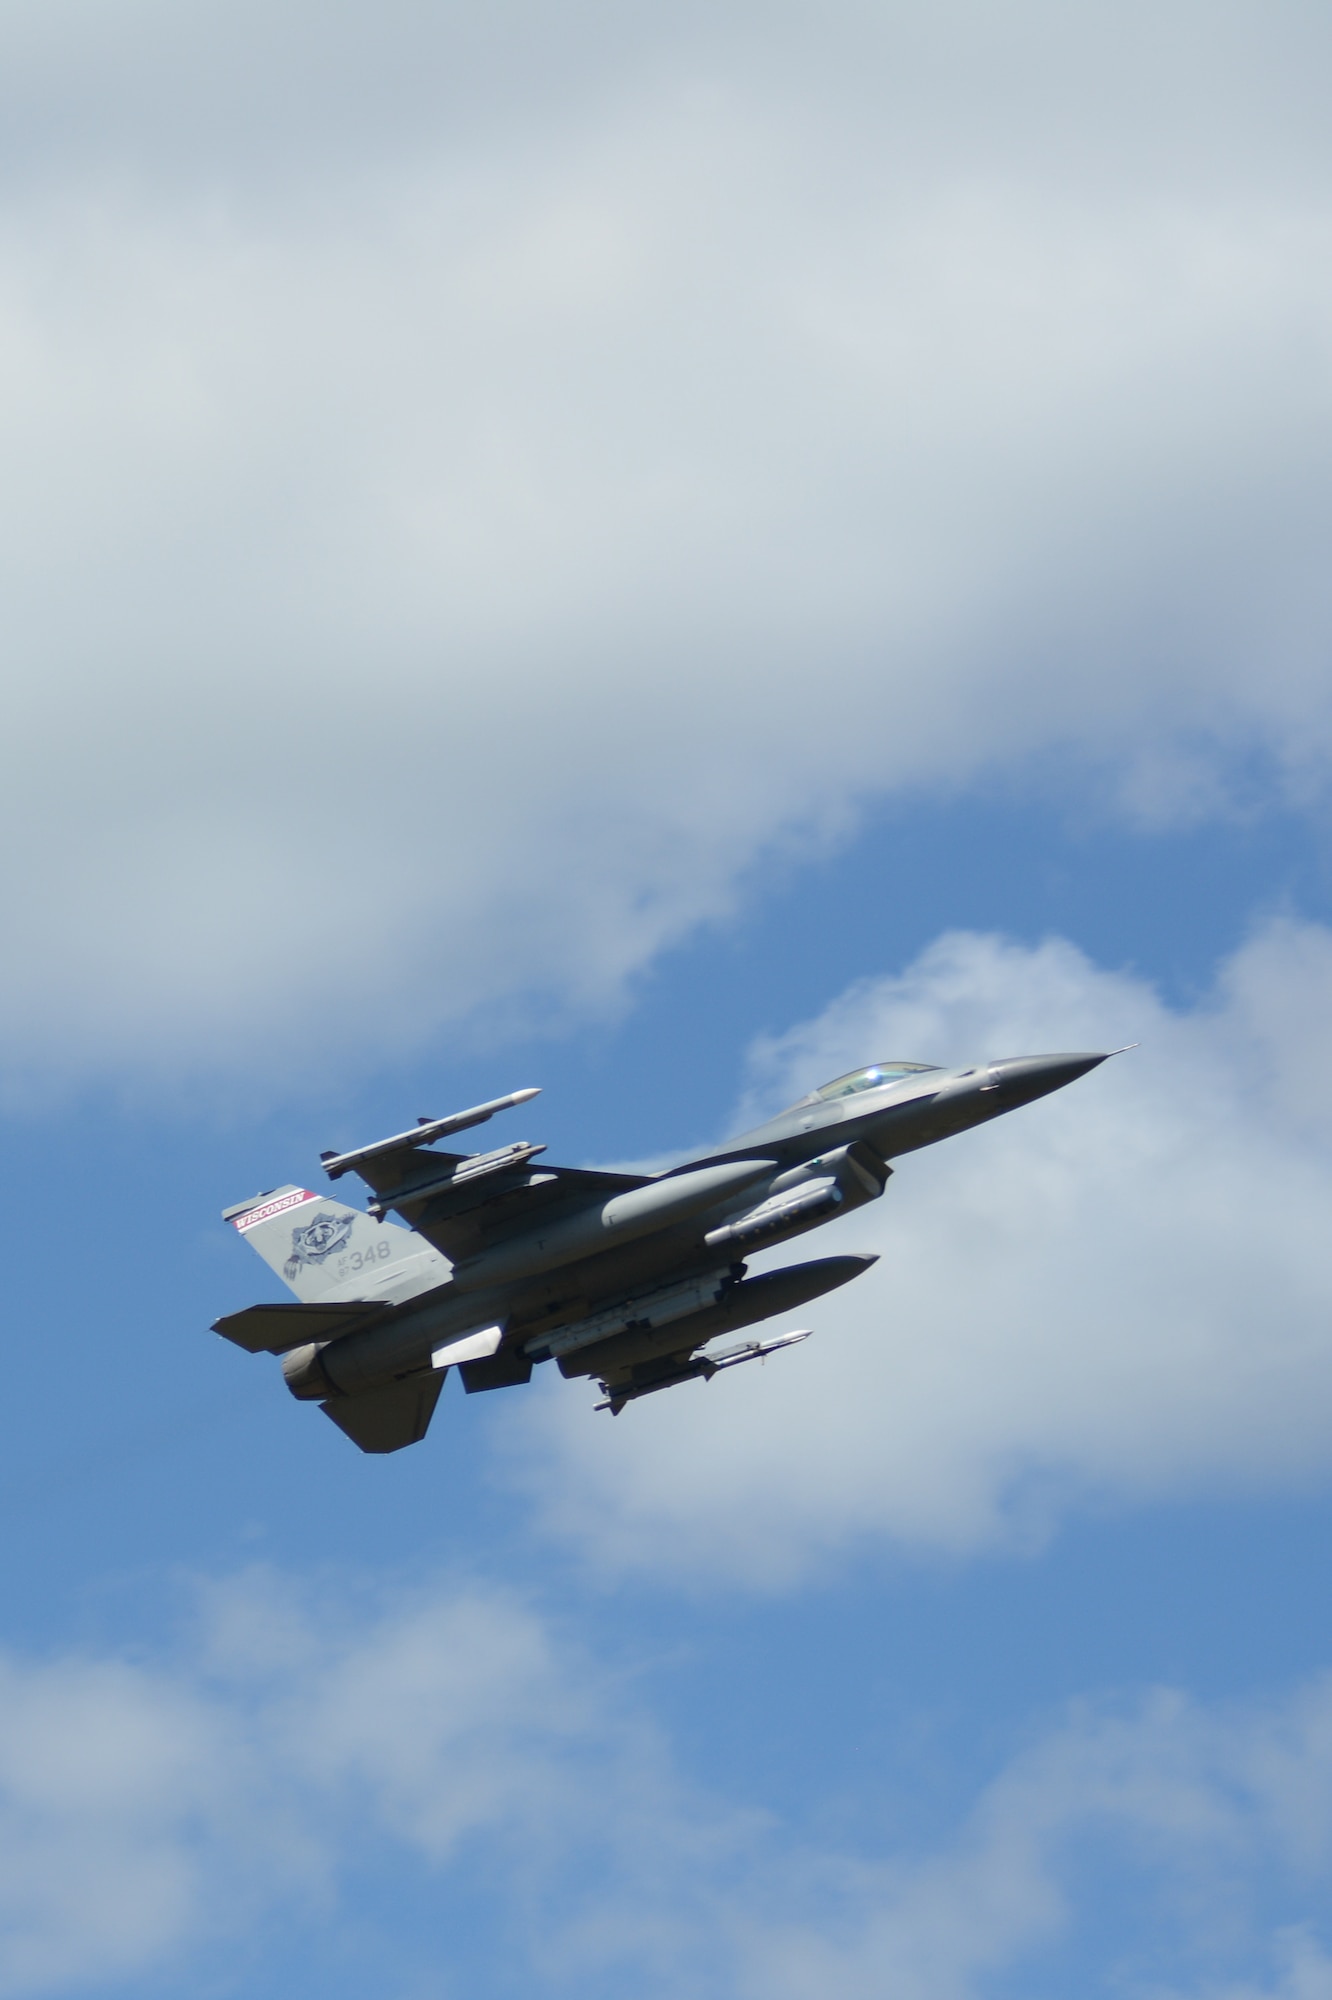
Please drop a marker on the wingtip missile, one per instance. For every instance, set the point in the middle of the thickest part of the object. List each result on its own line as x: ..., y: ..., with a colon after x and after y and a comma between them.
x: 425, y: 1131
x: 478, y: 1115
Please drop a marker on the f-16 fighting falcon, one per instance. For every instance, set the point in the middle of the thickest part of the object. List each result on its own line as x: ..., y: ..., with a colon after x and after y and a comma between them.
x: 498, y: 1264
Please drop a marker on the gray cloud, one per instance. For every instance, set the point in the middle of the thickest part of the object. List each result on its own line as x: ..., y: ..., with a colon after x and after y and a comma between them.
x: 469, y: 490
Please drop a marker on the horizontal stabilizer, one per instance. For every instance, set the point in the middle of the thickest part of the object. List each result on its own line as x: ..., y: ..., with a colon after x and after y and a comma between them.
x: 387, y: 1419
x: 277, y: 1329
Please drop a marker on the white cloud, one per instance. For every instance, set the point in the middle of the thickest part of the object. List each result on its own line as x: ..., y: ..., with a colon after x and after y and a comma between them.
x: 119, y: 1790
x: 1122, y: 1292
x: 467, y: 489
x: 157, y: 1817
x: 1188, y: 1804
x: 148, y: 1812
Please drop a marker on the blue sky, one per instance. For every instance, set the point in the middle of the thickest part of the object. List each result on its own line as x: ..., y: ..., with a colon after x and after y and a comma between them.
x: 664, y: 555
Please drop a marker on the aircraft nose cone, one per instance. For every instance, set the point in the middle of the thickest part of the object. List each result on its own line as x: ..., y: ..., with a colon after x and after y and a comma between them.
x: 1021, y: 1079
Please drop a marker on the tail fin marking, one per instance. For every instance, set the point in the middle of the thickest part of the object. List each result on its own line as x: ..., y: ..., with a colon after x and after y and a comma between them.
x: 318, y: 1246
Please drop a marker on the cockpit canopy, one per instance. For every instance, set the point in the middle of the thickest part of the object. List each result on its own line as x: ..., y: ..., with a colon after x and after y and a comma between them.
x: 873, y: 1078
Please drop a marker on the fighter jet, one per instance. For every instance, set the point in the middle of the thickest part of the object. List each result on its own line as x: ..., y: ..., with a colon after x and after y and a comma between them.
x: 497, y: 1264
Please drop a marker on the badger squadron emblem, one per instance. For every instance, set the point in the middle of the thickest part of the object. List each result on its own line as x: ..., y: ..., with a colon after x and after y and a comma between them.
x: 317, y: 1241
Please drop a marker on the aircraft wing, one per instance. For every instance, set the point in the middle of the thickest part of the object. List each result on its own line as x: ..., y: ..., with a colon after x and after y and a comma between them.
x: 463, y: 1202
x: 386, y: 1419
x: 276, y: 1329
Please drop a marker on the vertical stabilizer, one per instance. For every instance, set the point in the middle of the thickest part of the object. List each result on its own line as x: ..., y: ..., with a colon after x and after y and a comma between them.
x: 320, y: 1247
